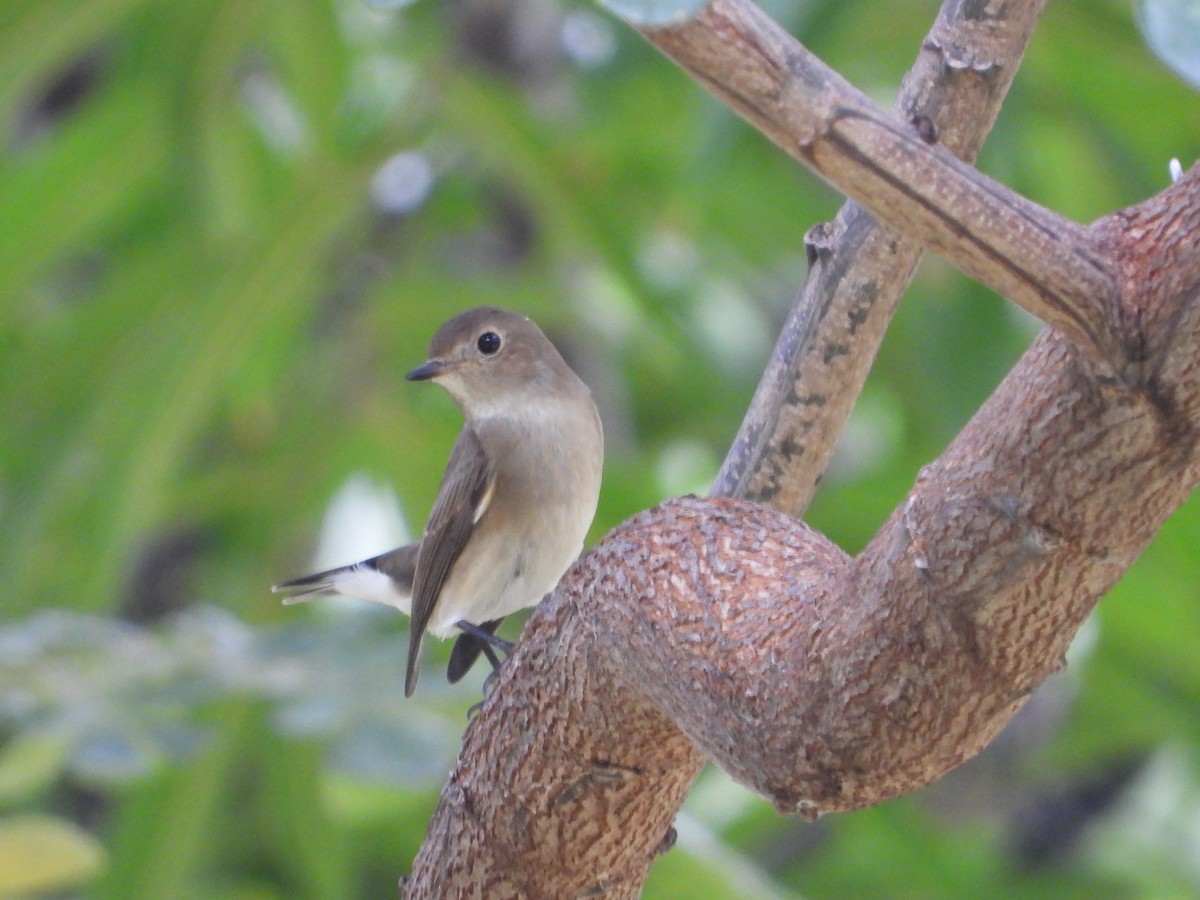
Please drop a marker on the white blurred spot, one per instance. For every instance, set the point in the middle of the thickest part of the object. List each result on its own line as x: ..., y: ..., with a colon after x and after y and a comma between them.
x: 1031, y: 326
x: 273, y: 112
x: 1086, y: 639
x: 668, y: 260
x: 367, y: 24
x: 654, y: 12
x: 379, y: 84
x: 587, y: 39
x: 606, y: 303
x: 714, y: 806
x: 402, y: 183
x: 874, y: 431
x: 363, y: 519
x: 1175, y: 167
x: 1157, y: 817
x: 732, y: 326
x: 686, y: 467
x: 1172, y: 29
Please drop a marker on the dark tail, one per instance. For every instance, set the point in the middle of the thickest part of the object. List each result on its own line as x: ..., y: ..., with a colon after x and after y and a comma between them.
x: 319, y: 584
x: 413, y: 672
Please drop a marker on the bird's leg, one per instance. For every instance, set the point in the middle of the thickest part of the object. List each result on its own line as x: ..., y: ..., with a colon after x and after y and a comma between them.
x: 495, y: 660
x: 488, y: 645
x: 488, y: 640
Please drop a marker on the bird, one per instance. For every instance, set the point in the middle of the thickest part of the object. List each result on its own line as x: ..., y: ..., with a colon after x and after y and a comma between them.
x: 515, y: 502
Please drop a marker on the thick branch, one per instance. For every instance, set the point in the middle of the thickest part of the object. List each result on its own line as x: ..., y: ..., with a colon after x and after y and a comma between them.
x: 858, y: 267
x: 720, y: 628
x: 1036, y: 258
x: 822, y: 682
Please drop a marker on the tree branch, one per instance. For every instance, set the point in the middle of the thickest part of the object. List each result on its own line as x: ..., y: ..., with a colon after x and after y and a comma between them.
x: 1038, y: 259
x: 858, y: 267
x: 719, y: 628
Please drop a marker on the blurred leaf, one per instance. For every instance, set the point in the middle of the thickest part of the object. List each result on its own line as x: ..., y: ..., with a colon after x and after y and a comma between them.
x: 181, y: 803
x: 29, y: 762
x: 40, y: 854
x: 1172, y: 29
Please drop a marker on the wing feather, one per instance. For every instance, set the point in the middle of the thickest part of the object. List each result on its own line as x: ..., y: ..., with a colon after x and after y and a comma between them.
x: 465, y: 490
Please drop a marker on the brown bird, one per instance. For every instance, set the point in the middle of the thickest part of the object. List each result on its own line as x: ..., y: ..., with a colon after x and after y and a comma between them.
x: 515, y: 502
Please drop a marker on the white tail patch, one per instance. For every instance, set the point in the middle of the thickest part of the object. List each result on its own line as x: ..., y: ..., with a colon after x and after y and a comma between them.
x: 366, y: 583
x: 300, y: 598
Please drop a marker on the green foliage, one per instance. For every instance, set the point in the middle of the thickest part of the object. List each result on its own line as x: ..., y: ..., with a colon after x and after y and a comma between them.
x: 216, y: 267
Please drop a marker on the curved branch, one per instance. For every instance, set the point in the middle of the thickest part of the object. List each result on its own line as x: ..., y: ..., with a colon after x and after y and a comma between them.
x: 717, y: 627
x: 720, y: 628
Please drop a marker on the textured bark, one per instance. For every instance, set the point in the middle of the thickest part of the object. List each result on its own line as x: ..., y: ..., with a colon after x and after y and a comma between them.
x: 718, y: 628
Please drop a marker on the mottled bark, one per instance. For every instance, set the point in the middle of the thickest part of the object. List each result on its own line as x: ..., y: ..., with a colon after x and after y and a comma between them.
x: 717, y: 628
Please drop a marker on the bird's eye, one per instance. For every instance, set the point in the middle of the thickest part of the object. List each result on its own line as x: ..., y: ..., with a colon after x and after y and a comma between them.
x: 488, y: 343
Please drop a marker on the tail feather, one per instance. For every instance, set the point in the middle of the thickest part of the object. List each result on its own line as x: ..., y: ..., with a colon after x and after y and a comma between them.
x: 386, y: 579
x: 413, y: 669
x: 309, y: 587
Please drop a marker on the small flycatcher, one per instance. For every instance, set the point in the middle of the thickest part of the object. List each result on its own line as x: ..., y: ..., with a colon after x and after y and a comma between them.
x: 515, y: 502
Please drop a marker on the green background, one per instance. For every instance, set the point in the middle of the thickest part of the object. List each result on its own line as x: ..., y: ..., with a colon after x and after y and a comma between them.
x: 207, y: 314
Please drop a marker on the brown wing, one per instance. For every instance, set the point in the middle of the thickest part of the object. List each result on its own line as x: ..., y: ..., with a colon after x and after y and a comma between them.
x: 465, y: 490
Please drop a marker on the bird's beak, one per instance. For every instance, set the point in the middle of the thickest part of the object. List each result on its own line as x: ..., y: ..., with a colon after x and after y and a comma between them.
x: 426, y: 370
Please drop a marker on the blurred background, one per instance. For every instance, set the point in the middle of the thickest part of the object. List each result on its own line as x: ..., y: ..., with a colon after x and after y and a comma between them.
x: 227, y: 229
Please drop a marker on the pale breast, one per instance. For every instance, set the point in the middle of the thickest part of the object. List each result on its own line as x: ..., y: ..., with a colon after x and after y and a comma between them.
x: 543, y: 503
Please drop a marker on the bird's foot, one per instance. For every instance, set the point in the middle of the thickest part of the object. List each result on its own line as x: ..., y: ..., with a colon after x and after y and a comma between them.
x: 489, y: 643
x: 488, y: 640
